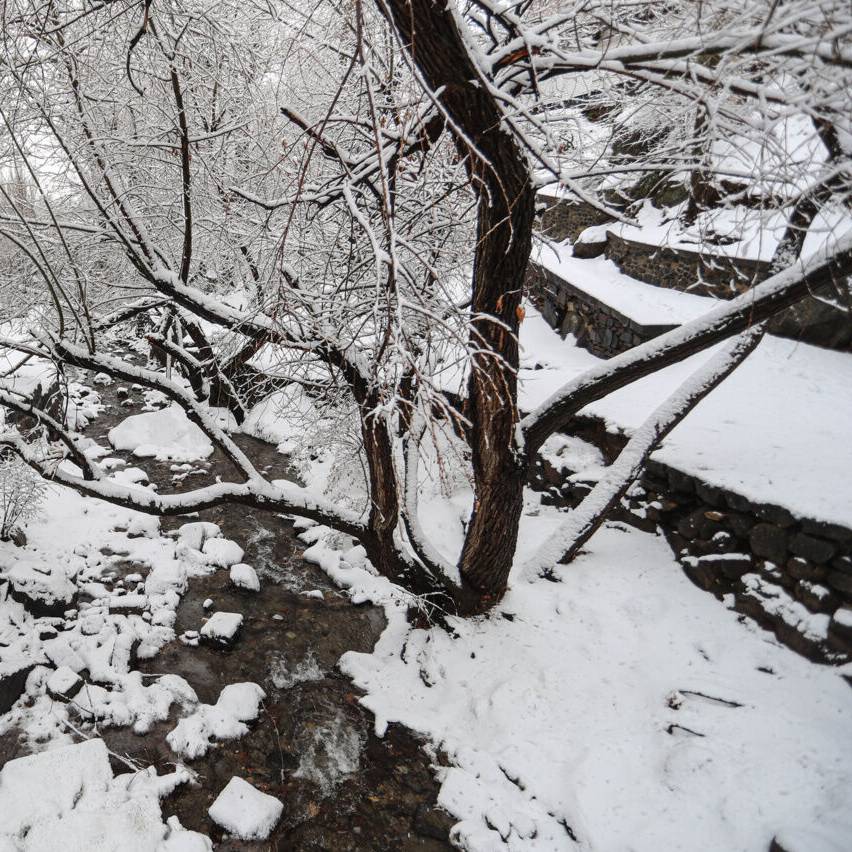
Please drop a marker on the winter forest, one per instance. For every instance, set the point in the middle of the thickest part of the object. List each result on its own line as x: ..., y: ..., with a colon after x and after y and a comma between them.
x: 426, y: 424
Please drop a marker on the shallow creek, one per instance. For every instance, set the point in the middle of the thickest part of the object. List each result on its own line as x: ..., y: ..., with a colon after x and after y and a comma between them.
x: 313, y: 745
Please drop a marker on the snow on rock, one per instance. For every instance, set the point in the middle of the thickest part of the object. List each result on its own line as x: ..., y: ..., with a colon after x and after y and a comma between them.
x: 237, y: 704
x: 222, y: 628
x: 245, y: 577
x: 196, y: 533
x: 179, y: 839
x: 222, y: 552
x: 64, y: 684
x: 166, y: 434
x: 70, y: 792
x: 243, y: 811
x: 43, y: 588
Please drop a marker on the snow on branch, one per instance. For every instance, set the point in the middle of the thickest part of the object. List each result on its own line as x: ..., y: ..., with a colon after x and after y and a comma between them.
x: 565, y: 542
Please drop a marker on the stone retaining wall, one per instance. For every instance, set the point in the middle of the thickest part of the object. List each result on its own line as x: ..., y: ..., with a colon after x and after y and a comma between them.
x: 597, y: 326
x: 565, y: 220
x: 812, y: 320
x: 791, y: 575
x: 692, y: 272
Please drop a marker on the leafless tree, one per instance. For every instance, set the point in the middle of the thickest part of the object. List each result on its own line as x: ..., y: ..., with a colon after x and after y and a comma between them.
x: 343, y: 198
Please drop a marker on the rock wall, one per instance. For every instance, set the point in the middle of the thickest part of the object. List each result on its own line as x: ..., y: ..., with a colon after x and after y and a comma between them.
x: 699, y: 273
x: 597, y: 327
x: 791, y: 575
x: 565, y: 220
x: 813, y: 320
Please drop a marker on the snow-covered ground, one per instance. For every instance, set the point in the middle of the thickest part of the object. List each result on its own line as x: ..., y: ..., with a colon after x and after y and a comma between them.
x: 776, y: 431
x: 618, y: 709
x: 621, y: 706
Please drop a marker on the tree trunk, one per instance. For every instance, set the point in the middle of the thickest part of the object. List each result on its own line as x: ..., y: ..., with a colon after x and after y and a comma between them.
x: 500, y: 176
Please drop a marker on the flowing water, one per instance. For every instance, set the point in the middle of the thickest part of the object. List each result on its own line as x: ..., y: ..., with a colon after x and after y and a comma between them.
x: 313, y: 745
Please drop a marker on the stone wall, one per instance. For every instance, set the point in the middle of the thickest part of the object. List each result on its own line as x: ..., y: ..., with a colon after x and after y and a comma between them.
x: 791, y: 575
x: 676, y: 269
x: 565, y: 220
x: 702, y: 273
x: 597, y: 327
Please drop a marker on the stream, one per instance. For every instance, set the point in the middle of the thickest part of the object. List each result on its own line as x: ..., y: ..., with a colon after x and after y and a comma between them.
x: 313, y: 745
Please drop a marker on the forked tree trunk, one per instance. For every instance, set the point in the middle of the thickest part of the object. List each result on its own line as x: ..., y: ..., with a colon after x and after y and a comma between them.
x: 500, y: 176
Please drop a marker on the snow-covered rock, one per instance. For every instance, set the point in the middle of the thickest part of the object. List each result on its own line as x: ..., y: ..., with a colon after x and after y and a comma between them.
x: 43, y: 589
x: 70, y: 793
x: 238, y: 703
x: 196, y: 533
x: 167, y: 435
x: 245, y: 577
x: 222, y: 628
x: 222, y: 552
x: 63, y: 684
x: 243, y: 811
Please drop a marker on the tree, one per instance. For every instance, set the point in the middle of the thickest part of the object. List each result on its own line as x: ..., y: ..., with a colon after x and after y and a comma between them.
x: 354, y: 214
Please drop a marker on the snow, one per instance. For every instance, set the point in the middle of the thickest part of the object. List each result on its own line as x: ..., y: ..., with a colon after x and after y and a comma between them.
x: 245, y: 577
x: 601, y: 279
x: 196, y: 533
x: 746, y: 436
x: 167, y: 435
x: 622, y: 702
x: 237, y: 704
x: 70, y: 792
x: 222, y: 626
x: 244, y: 811
x: 222, y: 552
x: 63, y: 682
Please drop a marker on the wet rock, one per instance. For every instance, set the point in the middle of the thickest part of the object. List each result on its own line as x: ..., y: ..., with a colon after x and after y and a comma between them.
x: 769, y: 542
x: 815, y: 597
x: 710, y: 494
x: 681, y: 482
x: 705, y: 574
x: 13, y: 682
x: 433, y: 822
x: 840, y: 627
x: 737, y: 502
x: 734, y: 565
x: 835, y: 532
x: 841, y: 582
x: 777, y: 515
x: 815, y: 549
x: 842, y: 564
x: 741, y: 524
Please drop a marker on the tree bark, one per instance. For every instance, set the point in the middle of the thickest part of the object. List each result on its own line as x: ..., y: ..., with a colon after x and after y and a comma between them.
x: 500, y: 176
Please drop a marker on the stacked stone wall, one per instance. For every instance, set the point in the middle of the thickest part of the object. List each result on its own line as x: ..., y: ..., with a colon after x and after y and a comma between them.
x: 596, y: 326
x: 791, y: 575
x: 813, y: 320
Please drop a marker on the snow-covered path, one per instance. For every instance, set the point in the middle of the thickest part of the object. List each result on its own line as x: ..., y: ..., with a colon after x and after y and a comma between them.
x: 777, y: 431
